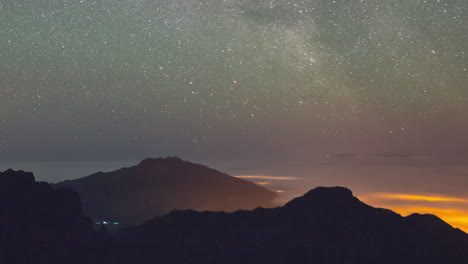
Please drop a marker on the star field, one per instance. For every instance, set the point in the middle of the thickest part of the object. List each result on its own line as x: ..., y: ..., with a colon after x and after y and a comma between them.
x: 115, y: 79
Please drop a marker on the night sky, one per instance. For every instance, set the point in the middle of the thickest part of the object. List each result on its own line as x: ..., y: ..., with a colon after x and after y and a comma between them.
x: 381, y: 81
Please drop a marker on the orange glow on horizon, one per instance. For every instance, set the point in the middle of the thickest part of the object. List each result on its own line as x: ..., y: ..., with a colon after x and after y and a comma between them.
x: 413, y: 197
x: 453, y: 215
x: 453, y: 210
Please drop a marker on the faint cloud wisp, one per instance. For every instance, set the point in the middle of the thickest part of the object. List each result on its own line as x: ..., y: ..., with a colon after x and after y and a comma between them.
x: 264, y: 177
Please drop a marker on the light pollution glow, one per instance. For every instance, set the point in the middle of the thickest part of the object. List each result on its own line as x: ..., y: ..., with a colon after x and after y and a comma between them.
x: 449, y: 208
x: 413, y: 197
x: 454, y: 217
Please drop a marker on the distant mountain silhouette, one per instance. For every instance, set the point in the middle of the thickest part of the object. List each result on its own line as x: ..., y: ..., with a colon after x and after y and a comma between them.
x: 326, y: 226
x: 156, y: 187
x: 41, y: 225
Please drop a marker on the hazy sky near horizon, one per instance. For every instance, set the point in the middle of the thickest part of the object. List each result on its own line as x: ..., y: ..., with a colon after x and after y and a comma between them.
x: 232, y: 79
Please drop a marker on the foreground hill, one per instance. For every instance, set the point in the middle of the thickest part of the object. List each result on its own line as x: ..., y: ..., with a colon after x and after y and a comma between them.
x: 326, y: 226
x: 41, y: 225
x: 158, y: 186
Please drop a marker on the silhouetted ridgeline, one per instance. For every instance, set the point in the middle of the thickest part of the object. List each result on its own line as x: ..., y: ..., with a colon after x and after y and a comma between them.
x: 40, y: 225
x: 326, y: 226
x: 156, y: 187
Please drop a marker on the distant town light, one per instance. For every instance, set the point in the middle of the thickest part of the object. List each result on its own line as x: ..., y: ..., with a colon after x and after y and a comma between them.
x: 107, y: 223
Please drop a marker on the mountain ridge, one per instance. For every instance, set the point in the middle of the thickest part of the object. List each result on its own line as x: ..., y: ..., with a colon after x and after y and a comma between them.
x: 156, y: 186
x: 326, y: 225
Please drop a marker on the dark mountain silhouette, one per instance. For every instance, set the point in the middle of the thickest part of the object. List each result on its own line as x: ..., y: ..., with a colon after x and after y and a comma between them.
x: 157, y: 186
x: 41, y: 225
x: 326, y: 226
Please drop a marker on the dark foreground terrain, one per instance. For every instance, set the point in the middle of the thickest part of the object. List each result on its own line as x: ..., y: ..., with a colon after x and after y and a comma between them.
x: 40, y: 225
x: 325, y: 226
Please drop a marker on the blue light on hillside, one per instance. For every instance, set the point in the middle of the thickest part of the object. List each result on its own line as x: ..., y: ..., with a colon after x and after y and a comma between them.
x: 107, y: 223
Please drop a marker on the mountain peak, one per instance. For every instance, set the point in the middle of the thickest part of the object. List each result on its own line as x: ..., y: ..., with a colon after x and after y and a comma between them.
x: 157, y: 186
x: 17, y: 177
x: 427, y: 220
x: 324, y: 196
x: 166, y: 160
x: 330, y: 191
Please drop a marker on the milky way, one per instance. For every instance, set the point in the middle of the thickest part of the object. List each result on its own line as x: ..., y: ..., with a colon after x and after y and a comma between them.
x: 118, y: 79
